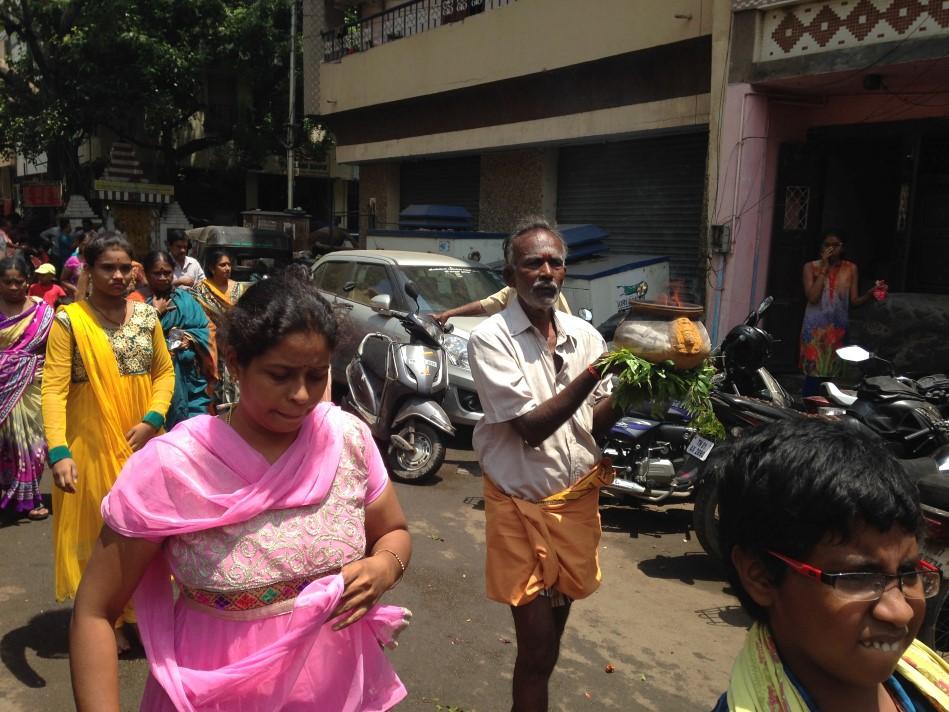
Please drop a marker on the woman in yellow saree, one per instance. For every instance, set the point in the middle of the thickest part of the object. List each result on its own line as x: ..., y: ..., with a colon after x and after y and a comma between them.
x: 217, y: 294
x: 107, y: 386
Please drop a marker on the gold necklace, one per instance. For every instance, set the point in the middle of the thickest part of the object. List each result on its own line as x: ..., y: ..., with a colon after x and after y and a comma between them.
x: 105, y: 316
x: 230, y: 412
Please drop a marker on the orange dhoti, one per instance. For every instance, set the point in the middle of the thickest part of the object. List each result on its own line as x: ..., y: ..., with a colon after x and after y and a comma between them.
x: 554, y: 543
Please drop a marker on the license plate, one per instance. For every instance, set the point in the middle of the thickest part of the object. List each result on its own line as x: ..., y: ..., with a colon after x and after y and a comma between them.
x: 699, y: 447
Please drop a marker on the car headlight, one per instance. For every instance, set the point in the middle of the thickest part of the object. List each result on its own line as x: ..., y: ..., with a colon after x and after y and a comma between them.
x: 457, y: 350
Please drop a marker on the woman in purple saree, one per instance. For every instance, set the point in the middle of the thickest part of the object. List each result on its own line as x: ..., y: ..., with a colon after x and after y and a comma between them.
x: 24, y: 326
x: 280, y: 528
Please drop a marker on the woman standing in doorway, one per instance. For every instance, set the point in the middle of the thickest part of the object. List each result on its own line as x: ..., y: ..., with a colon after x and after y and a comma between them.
x: 217, y: 294
x: 831, y: 288
x: 24, y: 327
x: 106, y: 388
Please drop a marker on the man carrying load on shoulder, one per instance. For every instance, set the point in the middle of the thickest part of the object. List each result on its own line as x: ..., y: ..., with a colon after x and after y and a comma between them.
x: 543, y: 401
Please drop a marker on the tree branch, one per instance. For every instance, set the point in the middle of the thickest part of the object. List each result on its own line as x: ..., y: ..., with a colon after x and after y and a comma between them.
x: 26, y: 32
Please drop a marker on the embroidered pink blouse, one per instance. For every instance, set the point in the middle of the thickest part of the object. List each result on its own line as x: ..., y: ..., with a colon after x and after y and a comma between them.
x: 247, y: 631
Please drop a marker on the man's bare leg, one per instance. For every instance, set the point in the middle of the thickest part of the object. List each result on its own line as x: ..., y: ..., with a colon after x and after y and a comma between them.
x: 539, y: 627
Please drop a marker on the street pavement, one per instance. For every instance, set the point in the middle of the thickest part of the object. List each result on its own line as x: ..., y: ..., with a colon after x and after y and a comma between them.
x: 662, y: 619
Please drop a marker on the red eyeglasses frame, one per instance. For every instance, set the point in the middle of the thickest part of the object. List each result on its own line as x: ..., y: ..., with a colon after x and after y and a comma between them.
x: 812, y: 572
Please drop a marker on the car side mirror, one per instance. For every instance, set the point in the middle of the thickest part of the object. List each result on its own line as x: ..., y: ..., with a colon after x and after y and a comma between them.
x: 381, y: 304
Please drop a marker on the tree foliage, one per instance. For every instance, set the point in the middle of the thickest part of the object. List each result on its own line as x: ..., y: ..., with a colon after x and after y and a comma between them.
x: 175, y: 76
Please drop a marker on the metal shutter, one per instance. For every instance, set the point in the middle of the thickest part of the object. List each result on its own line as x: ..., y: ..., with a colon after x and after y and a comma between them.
x: 446, y: 181
x: 648, y: 194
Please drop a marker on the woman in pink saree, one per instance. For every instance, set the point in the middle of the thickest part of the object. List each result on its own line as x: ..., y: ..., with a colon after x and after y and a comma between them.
x: 280, y: 528
x: 24, y: 328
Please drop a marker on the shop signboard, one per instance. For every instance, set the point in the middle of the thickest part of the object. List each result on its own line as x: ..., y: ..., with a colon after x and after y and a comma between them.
x: 42, y: 195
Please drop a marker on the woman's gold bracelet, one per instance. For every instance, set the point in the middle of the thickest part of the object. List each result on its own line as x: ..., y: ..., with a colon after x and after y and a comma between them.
x: 401, y: 565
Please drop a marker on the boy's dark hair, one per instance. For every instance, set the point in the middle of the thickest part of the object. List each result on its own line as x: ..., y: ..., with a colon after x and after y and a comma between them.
x: 99, y: 244
x: 299, y: 271
x: 791, y: 485
x: 271, y: 310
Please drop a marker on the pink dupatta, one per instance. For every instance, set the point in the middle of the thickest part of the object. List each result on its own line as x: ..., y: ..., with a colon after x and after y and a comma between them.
x: 203, y: 475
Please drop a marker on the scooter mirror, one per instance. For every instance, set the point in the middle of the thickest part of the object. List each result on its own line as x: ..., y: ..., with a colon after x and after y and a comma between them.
x: 586, y: 315
x: 411, y: 290
x: 381, y: 304
x: 765, y: 305
x: 854, y: 354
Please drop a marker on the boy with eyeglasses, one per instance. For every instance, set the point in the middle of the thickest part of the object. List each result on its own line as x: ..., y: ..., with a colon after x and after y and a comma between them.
x: 819, y: 527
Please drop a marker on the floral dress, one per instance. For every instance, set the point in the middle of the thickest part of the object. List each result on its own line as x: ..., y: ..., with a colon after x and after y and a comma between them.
x: 825, y: 324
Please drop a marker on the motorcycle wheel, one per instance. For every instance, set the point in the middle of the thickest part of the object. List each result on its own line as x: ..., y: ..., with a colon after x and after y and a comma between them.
x: 421, y: 464
x: 935, y: 630
x: 705, y: 519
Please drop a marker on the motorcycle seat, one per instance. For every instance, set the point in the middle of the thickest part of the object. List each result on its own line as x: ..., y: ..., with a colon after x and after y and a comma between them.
x: 920, y: 468
x: 759, y: 407
x: 934, y: 490
x: 882, y: 389
x: 835, y: 395
x: 374, y: 356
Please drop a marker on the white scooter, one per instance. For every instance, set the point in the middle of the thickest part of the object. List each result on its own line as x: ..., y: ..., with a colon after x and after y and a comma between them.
x: 397, y: 389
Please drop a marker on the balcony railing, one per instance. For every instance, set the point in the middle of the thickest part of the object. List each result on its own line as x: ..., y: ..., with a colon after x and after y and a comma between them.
x: 399, y: 22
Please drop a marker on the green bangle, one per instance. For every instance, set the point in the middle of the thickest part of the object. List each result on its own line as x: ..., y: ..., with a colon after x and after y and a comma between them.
x: 60, y: 452
x: 155, y: 419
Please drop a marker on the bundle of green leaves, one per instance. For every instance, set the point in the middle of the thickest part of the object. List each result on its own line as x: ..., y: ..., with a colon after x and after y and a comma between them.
x: 661, y: 384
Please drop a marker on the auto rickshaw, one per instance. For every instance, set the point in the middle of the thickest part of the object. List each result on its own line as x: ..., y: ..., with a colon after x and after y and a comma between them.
x: 255, y: 254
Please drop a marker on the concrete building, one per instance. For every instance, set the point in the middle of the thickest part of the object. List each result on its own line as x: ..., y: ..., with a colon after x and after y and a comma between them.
x: 834, y: 118
x: 588, y: 112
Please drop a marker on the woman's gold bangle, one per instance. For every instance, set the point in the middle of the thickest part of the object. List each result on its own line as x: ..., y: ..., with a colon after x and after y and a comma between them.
x: 401, y: 565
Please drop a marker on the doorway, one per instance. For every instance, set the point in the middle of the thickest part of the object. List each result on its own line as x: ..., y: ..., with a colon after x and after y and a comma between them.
x: 851, y: 185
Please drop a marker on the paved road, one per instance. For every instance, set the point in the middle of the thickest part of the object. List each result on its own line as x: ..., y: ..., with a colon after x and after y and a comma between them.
x: 661, y: 617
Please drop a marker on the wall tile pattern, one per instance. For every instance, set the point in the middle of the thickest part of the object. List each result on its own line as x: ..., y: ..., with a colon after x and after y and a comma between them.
x: 814, y: 27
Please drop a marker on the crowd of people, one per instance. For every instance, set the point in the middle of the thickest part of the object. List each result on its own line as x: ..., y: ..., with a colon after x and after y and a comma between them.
x: 210, y: 500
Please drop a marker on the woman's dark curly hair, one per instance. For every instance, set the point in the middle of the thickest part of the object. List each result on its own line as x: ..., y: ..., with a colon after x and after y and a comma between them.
x: 271, y: 310
x: 792, y: 485
x: 95, y: 247
x: 213, y: 256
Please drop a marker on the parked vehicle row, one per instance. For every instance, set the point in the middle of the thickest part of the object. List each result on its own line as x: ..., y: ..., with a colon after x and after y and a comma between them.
x: 409, y: 379
x: 441, y: 282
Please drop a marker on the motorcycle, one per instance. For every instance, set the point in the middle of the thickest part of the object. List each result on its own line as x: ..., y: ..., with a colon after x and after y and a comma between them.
x: 658, y: 461
x: 890, y: 406
x: 744, y: 395
x: 935, y: 549
x: 397, y: 389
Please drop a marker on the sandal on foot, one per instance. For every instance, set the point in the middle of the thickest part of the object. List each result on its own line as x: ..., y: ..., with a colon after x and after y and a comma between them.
x: 37, y: 514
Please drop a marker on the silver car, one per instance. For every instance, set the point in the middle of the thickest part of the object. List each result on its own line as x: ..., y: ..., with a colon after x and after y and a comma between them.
x: 443, y: 283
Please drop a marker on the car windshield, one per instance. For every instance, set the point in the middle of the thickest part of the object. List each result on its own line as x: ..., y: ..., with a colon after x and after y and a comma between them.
x: 443, y: 287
